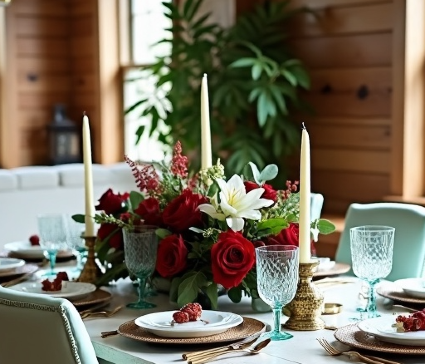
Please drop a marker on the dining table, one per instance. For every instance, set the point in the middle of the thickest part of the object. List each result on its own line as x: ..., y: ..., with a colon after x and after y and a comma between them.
x: 302, y: 348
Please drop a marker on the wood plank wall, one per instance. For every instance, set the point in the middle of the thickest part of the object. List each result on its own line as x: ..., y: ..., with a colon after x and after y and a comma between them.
x: 347, y: 46
x: 52, y: 58
x: 37, y: 77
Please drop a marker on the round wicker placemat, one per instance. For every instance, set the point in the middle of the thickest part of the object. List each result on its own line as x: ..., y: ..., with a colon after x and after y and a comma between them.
x: 338, y: 268
x: 97, y: 296
x: 351, y: 335
x: 391, y: 290
x: 248, y: 327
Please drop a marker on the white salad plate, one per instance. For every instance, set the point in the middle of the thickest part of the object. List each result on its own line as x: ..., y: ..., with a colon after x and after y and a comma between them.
x: 211, y: 323
x: 414, y: 287
x: 70, y: 290
x: 24, y: 249
x: 383, y: 329
x: 325, y: 263
x: 10, y: 263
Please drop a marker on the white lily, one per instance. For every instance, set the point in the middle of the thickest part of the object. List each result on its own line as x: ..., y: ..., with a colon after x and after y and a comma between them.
x: 235, y: 204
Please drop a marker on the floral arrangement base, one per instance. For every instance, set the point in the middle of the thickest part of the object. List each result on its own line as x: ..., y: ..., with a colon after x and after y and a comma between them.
x: 306, y: 307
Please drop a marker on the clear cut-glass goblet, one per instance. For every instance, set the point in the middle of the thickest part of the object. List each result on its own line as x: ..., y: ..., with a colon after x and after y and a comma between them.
x: 140, y: 249
x: 51, y: 228
x: 75, y: 241
x: 372, y: 257
x: 277, y: 280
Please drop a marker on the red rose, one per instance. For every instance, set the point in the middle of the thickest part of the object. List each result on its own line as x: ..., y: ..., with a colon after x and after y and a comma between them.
x: 171, y: 256
x: 269, y: 192
x: 112, y: 203
x: 232, y: 257
x: 182, y: 212
x: 149, y: 211
x: 113, y: 233
x: 289, y: 236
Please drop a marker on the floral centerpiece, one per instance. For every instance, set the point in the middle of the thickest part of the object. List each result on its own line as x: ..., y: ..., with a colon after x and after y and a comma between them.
x: 208, y: 225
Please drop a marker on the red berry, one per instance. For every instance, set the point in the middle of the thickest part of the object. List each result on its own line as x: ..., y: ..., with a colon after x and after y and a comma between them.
x: 34, y: 240
x: 180, y: 317
x: 194, y: 310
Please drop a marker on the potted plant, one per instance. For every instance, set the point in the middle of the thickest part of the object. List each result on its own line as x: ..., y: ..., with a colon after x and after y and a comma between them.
x: 253, y: 85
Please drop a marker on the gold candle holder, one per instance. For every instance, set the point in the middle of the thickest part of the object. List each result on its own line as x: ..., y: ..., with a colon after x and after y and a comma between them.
x: 91, y: 271
x: 306, y: 307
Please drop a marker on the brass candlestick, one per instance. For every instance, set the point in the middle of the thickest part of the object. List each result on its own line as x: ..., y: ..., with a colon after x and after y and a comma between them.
x: 306, y: 307
x: 91, y: 271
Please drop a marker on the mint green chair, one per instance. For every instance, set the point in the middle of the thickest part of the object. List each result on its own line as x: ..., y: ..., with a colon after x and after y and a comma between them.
x: 40, y: 329
x: 409, y: 239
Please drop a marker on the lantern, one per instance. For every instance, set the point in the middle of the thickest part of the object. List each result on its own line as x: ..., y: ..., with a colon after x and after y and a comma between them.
x: 64, y: 139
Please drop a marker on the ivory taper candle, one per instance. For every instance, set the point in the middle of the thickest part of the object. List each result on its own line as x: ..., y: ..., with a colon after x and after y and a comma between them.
x: 88, y: 179
x: 304, y: 223
x: 206, y: 154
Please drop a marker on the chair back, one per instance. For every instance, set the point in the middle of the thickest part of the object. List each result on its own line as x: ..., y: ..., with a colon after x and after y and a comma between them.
x: 39, y: 329
x: 409, y: 238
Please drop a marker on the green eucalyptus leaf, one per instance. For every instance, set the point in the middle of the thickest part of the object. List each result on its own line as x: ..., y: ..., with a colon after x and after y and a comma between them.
x: 256, y: 71
x: 235, y: 294
x: 272, y: 226
x: 325, y: 226
x: 162, y: 233
x: 269, y: 172
x: 243, y: 62
x: 212, y: 292
x: 79, y: 218
x: 190, y: 287
x: 255, y: 173
x: 135, y: 199
x: 174, y: 289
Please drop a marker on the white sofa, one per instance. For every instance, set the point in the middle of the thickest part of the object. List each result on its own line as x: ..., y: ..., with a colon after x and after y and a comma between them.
x: 26, y: 192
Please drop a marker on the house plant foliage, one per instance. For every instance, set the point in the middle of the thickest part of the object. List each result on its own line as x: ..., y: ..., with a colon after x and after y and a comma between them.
x: 253, y: 82
x: 208, y: 225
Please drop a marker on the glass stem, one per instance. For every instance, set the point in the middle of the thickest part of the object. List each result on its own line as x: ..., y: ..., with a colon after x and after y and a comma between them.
x: 142, y: 285
x: 371, y: 305
x: 52, y: 260
x: 276, y: 319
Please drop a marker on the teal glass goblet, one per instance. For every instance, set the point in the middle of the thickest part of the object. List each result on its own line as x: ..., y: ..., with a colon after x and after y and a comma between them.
x: 140, y: 248
x: 51, y: 228
x: 277, y: 280
x: 372, y: 257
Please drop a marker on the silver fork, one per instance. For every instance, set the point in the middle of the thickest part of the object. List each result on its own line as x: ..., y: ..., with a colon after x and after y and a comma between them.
x: 353, y: 354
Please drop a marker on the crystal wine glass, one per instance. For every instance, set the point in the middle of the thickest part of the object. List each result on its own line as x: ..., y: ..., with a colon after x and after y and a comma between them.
x: 140, y: 248
x: 51, y: 228
x: 372, y: 257
x: 277, y: 279
x: 74, y: 240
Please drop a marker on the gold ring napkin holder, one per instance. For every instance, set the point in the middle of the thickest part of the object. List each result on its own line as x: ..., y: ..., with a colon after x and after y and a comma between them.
x: 306, y: 307
x: 91, y: 271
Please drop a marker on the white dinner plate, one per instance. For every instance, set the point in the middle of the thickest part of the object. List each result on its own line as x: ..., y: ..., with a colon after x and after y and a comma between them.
x: 213, y: 322
x: 382, y: 328
x: 325, y: 263
x: 10, y: 263
x: 414, y: 287
x: 70, y: 290
x: 24, y: 249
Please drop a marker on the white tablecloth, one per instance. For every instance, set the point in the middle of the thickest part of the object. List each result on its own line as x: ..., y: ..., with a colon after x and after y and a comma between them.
x: 301, y: 349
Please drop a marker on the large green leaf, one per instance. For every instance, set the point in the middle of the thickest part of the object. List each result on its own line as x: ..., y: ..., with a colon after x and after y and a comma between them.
x: 190, y: 286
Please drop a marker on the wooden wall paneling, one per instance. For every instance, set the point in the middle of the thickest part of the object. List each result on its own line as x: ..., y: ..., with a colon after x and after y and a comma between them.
x: 42, y: 7
x: 10, y: 138
x: 344, y: 51
x: 51, y: 26
x: 320, y: 4
x: 344, y: 20
x: 110, y: 83
x: 414, y: 98
x: 397, y: 110
x: 350, y: 136
x: 354, y: 160
x: 346, y: 187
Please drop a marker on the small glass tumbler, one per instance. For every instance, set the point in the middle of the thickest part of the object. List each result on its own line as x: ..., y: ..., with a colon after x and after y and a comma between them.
x: 372, y: 257
x: 140, y: 250
x: 277, y: 280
